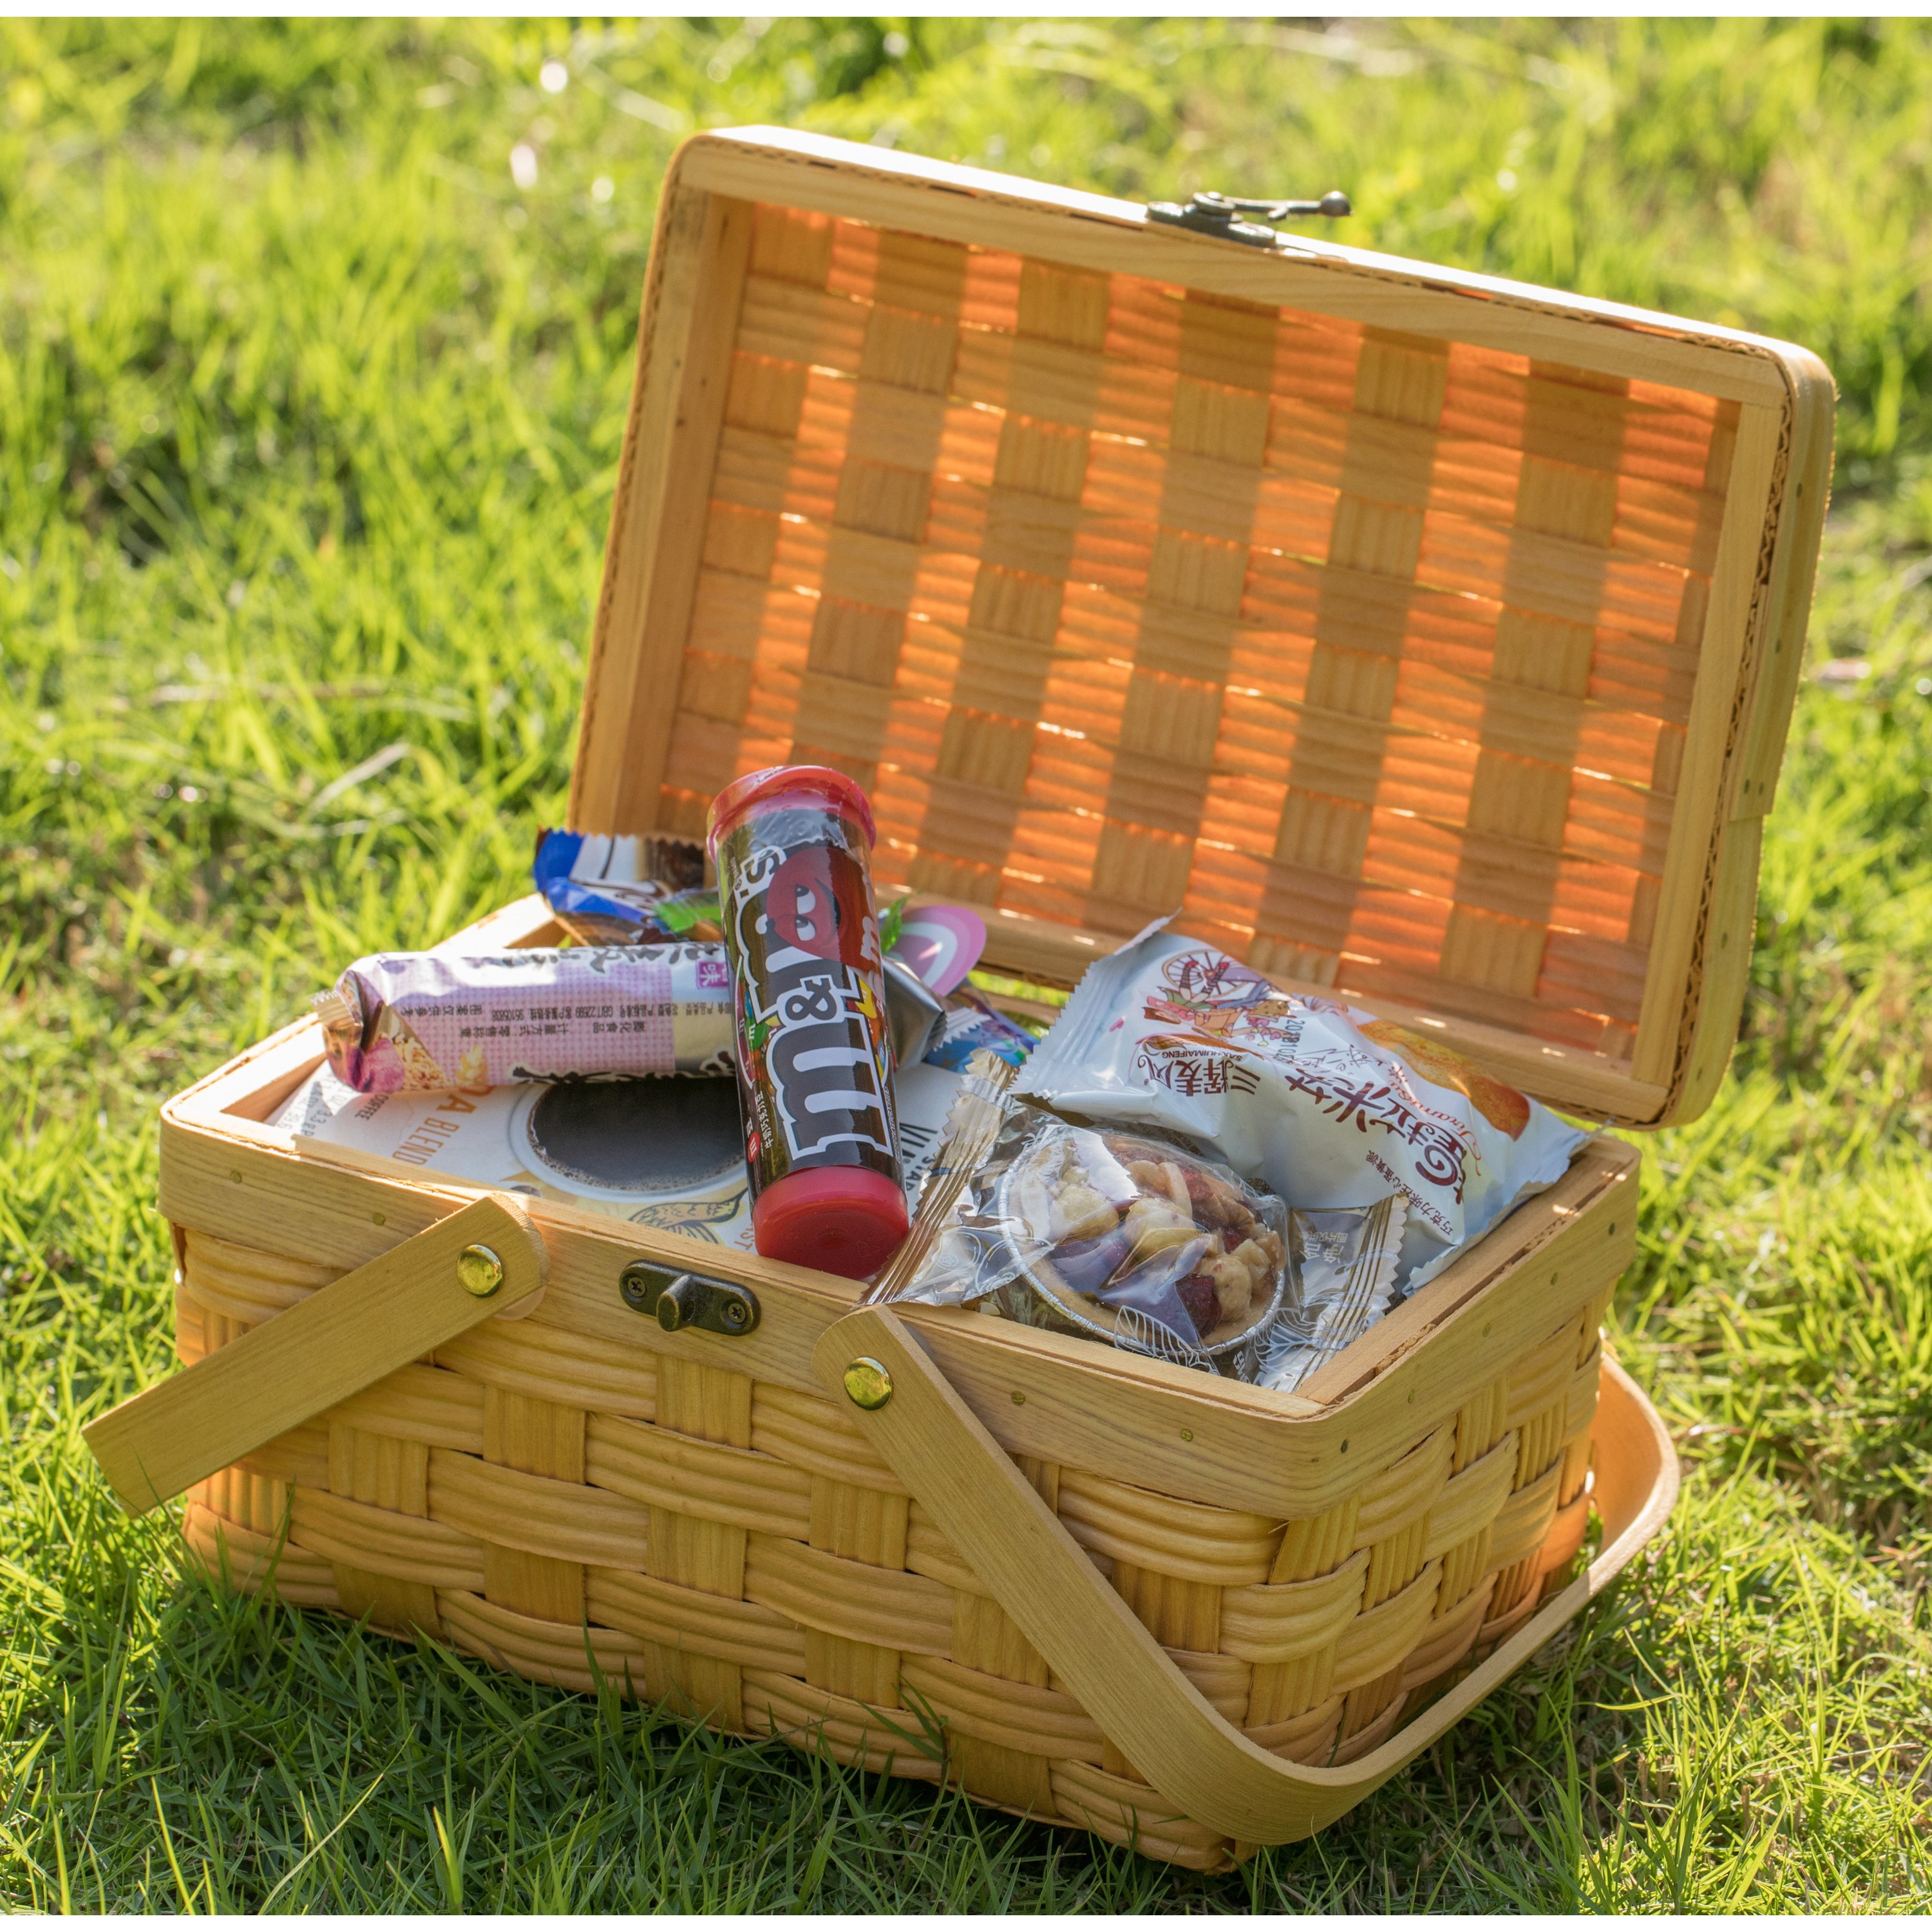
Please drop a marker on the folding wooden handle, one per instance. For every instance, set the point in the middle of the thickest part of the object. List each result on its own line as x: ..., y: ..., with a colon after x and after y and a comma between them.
x: 332, y: 1345
x: 1108, y: 1658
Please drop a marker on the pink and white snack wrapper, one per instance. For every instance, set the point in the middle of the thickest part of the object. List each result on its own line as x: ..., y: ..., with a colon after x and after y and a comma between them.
x: 402, y: 1022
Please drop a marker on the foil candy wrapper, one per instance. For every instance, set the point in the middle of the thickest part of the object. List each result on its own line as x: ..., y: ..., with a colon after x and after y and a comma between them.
x: 914, y: 1013
x: 971, y: 1024
x: 398, y: 1022
x: 626, y: 889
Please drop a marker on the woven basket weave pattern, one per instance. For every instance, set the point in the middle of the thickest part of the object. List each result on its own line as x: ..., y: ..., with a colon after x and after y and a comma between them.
x: 1374, y: 652
x: 539, y: 1498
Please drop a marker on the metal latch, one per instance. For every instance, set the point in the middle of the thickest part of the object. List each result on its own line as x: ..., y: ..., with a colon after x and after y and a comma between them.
x: 688, y: 1300
x: 1208, y: 213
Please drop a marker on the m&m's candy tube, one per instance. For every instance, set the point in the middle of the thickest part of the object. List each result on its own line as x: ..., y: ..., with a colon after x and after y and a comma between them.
x: 792, y: 846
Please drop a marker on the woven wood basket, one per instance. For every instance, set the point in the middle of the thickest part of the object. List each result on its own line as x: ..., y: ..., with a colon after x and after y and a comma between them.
x: 1420, y: 636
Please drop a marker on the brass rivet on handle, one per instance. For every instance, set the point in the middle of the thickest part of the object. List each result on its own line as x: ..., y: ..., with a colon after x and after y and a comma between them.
x: 480, y: 1270
x: 868, y: 1383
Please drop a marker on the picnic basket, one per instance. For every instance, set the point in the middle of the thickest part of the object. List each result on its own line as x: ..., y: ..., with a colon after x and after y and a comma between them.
x: 1418, y: 635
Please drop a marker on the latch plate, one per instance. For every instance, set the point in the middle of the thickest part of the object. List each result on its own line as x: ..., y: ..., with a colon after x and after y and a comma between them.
x: 1208, y: 213
x: 681, y: 1300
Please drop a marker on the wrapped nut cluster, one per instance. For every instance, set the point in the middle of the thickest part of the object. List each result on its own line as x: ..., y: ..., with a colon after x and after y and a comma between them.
x: 1128, y: 1239
x: 1130, y: 1221
x: 1324, y: 1103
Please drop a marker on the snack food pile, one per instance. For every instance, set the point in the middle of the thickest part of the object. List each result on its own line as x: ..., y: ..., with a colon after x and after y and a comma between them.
x: 1381, y: 1152
x: 1196, y: 1164
x: 781, y: 1086
x: 1324, y: 1103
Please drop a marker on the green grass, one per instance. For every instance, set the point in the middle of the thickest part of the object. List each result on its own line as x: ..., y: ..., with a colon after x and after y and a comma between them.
x: 308, y: 421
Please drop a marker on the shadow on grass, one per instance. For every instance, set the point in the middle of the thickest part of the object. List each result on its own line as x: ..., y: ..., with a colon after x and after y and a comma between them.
x: 217, y: 1752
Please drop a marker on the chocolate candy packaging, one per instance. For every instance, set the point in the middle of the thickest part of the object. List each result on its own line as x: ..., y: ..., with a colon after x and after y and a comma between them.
x: 1327, y: 1105
x: 792, y: 845
x: 624, y: 890
x: 415, y: 1021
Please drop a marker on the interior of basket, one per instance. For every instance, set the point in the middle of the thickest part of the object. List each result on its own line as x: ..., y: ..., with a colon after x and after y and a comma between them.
x: 1372, y: 653
x: 238, y: 1103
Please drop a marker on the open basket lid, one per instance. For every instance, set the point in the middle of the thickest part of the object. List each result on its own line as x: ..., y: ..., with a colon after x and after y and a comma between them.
x: 1422, y: 637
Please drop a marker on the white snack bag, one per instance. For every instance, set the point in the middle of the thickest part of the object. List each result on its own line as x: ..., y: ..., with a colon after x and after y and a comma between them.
x: 1327, y: 1106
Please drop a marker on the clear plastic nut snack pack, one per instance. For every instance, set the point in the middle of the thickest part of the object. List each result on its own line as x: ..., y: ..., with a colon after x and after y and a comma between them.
x: 1131, y: 1238
x: 1120, y: 1237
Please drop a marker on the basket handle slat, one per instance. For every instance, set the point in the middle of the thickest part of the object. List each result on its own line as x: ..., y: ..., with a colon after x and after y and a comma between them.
x: 330, y: 1345
x: 1108, y: 1658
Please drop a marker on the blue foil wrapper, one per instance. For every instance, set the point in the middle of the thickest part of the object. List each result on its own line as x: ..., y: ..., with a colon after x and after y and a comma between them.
x: 625, y: 890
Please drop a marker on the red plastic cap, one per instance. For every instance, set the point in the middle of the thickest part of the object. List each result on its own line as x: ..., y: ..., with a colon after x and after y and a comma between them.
x: 846, y: 1220
x: 804, y: 784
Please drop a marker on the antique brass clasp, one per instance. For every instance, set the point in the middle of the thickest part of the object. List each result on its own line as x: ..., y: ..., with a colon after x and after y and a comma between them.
x: 1208, y: 213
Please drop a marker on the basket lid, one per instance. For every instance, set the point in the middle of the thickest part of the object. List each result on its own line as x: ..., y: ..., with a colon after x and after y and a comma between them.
x: 1420, y: 636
